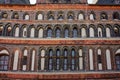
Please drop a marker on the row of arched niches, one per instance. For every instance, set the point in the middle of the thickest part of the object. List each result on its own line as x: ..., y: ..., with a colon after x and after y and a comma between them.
x: 60, y: 15
x: 59, y: 30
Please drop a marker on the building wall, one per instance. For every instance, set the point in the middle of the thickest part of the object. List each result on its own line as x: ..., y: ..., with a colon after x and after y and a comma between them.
x: 29, y: 34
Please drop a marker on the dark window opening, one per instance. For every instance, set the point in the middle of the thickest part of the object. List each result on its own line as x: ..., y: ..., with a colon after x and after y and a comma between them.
x: 99, y: 59
x: 117, y: 59
x: 4, y: 61
x: 24, y: 62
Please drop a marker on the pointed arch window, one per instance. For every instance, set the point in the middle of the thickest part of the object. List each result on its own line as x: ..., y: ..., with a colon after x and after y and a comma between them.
x: 50, y: 61
x: 99, y: 58
x: 26, y: 17
x: 1, y: 30
x: 83, y: 32
x: 49, y: 33
x: 103, y: 16
x: 15, y: 15
x: 50, y: 16
x: 8, y: 31
x: 80, y: 59
x: 91, y: 31
x: 108, y: 33
x: 17, y: 32
x: 117, y: 59
x: 116, y: 31
x: 24, y: 32
x: 42, y: 60
x: 65, y: 60
x: 81, y: 16
x: 91, y: 59
x: 116, y: 16
x: 33, y: 60
x: 100, y: 32
x: 58, y: 59
x: 40, y: 33
x: 70, y: 16
x: 92, y: 16
x: 40, y: 16
x: 15, y: 63
x: 24, y: 60
x: 4, y: 61
x: 75, y: 32
x: 73, y: 60
x: 58, y: 33
x: 32, y: 33
x: 66, y: 35
x: 108, y: 59
x: 60, y: 16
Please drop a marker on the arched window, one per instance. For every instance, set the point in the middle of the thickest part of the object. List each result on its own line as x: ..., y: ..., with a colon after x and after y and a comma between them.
x: 42, y: 59
x: 24, y: 32
x: 92, y: 16
x: 66, y: 33
x: 4, y: 15
x: 108, y: 34
x: 81, y: 16
x: 32, y: 33
x: 58, y: 59
x: 26, y: 17
x: 58, y: 33
x: 15, y: 62
x: 75, y: 33
x: 80, y: 59
x: 33, y: 60
x: 99, y: 59
x: 91, y: 59
x: 40, y: 17
x: 4, y: 60
x: 65, y: 60
x: 8, y: 31
x: 117, y: 59
x: 116, y: 16
x: 49, y: 33
x: 50, y: 15
x: 70, y: 15
x: 1, y: 30
x: 116, y: 31
x: 60, y: 16
x: 24, y: 60
x: 40, y: 33
x: 100, y: 32
x: 15, y: 15
x: 103, y: 16
x: 83, y: 32
x: 108, y: 60
x: 50, y: 60
x: 73, y: 60
x: 91, y: 32
x: 17, y: 32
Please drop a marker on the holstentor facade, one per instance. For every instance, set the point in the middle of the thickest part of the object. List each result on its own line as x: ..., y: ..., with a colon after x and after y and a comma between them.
x: 62, y: 39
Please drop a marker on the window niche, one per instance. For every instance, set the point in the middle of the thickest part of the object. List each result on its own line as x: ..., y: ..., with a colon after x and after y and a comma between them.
x: 70, y: 15
x: 50, y: 16
x: 103, y: 16
x: 15, y: 15
x: 116, y: 16
x: 4, y: 15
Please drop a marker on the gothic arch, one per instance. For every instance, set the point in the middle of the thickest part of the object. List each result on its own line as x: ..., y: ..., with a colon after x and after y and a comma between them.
x: 83, y: 30
x: 16, y: 30
x: 39, y: 15
x: 15, y: 15
x: 8, y: 29
x: 24, y: 30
